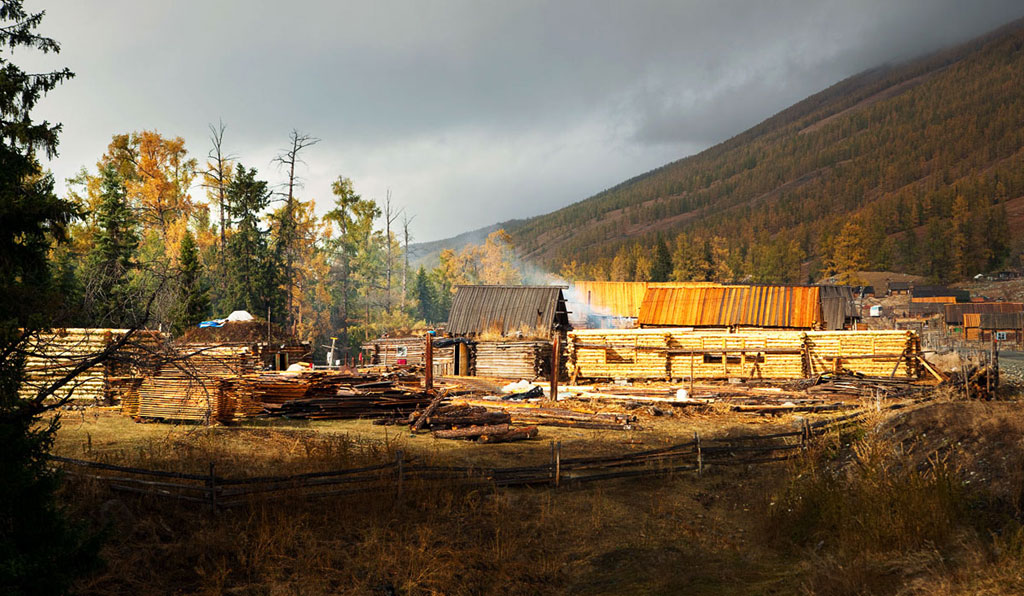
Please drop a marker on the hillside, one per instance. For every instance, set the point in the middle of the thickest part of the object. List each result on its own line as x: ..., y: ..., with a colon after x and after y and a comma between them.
x: 426, y: 253
x: 917, y: 167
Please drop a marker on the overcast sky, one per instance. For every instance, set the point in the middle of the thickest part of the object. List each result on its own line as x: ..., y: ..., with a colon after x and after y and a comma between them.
x: 470, y: 112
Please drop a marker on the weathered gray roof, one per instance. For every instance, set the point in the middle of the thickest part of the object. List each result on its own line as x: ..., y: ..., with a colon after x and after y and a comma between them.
x: 534, y: 310
x: 1002, y: 321
x: 837, y: 306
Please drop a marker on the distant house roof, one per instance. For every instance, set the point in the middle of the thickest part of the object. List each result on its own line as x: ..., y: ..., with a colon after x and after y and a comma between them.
x: 797, y: 307
x: 1002, y: 321
x: 532, y: 310
x: 955, y: 312
x: 898, y: 286
x: 939, y: 291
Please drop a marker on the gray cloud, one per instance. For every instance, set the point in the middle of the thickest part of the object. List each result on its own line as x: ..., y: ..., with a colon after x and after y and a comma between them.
x: 471, y: 112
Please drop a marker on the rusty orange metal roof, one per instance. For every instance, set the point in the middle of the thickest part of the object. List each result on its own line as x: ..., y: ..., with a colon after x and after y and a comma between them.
x: 618, y: 298
x: 796, y: 307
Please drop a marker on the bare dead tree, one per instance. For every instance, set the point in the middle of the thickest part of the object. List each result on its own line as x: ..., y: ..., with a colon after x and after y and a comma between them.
x: 406, y: 220
x: 216, y: 177
x: 389, y: 218
x: 287, y: 160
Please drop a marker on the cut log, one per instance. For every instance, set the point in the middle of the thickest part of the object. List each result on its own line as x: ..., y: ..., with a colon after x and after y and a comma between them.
x: 472, y: 432
x: 516, y: 434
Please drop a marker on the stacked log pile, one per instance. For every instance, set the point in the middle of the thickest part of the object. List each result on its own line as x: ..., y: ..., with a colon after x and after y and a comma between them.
x: 744, y: 353
x: 52, y: 356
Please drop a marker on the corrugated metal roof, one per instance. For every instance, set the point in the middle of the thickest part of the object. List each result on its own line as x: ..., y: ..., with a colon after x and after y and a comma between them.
x: 955, y: 312
x: 534, y: 310
x: 618, y: 298
x: 754, y: 306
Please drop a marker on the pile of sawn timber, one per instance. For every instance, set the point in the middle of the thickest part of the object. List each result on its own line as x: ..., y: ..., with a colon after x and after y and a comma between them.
x: 322, y: 396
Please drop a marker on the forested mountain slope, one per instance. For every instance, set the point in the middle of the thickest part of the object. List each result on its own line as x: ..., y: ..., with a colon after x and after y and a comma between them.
x: 917, y: 167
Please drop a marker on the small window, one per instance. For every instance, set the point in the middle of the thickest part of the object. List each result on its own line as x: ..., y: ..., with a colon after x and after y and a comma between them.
x: 402, y: 351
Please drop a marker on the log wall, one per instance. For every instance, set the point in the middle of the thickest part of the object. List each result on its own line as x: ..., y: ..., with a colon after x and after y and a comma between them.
x: 513, y: 359
x: 745, y: 353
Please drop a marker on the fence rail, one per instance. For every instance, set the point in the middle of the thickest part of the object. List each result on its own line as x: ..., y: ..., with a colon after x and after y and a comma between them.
x: 689, y: 456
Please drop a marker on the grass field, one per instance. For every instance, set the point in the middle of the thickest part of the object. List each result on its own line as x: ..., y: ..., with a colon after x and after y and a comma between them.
x: 847, y: 517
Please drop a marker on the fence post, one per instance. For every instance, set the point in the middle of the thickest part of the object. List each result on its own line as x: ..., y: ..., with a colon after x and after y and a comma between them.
x: 552, y: 472
x: 400, y: 469
x: 558, y: 463
x: 700, y: 454
x: 212, y: 483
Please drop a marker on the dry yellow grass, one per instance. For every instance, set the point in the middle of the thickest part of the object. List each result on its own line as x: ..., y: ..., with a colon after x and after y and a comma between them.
x: 856, y: 515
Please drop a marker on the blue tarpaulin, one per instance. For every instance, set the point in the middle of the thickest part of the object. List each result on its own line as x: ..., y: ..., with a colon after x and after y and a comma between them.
x: 213, y: 323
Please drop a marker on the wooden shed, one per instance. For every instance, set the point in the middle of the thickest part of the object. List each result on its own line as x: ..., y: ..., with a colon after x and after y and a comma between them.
x: 508, y: 311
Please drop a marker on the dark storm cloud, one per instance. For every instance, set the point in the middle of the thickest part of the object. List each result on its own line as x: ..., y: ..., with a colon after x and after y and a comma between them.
x: 471, y: 112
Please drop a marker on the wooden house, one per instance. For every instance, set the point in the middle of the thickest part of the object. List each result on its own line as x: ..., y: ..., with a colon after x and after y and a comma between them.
x: 511, y: 328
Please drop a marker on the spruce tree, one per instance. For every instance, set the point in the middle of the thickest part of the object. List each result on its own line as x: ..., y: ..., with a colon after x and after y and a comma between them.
x: 193, y: 303
x: 110, y: 260
x: 254, y: 269
x: 424, y: 293
x: 661, y: 269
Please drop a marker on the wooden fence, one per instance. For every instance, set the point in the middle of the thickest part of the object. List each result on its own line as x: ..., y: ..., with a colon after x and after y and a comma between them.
x: 216, y: 491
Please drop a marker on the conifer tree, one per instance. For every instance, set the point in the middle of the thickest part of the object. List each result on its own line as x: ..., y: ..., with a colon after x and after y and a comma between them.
x: 40, y: 552
x: 193, y: 295
x: 425, y: 301
x: 254, y: 268
x: 110, y: 260
x: 661, y: 268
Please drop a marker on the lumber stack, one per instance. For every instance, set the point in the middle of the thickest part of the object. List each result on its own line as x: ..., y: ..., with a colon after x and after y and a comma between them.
x: 744, y: 353
x: 324, y: 395
x: 197, y: 386
x: 513, y: 359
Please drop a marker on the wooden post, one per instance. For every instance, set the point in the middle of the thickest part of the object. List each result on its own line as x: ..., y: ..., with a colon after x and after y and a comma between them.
x: 556, y: 355
x: 428, y: 365
x: 399, y: 470
x: 212, y: 483
x: 995, y: 362
x: 554, y: 481
x: 558, y: 463
x: 700, y: 454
